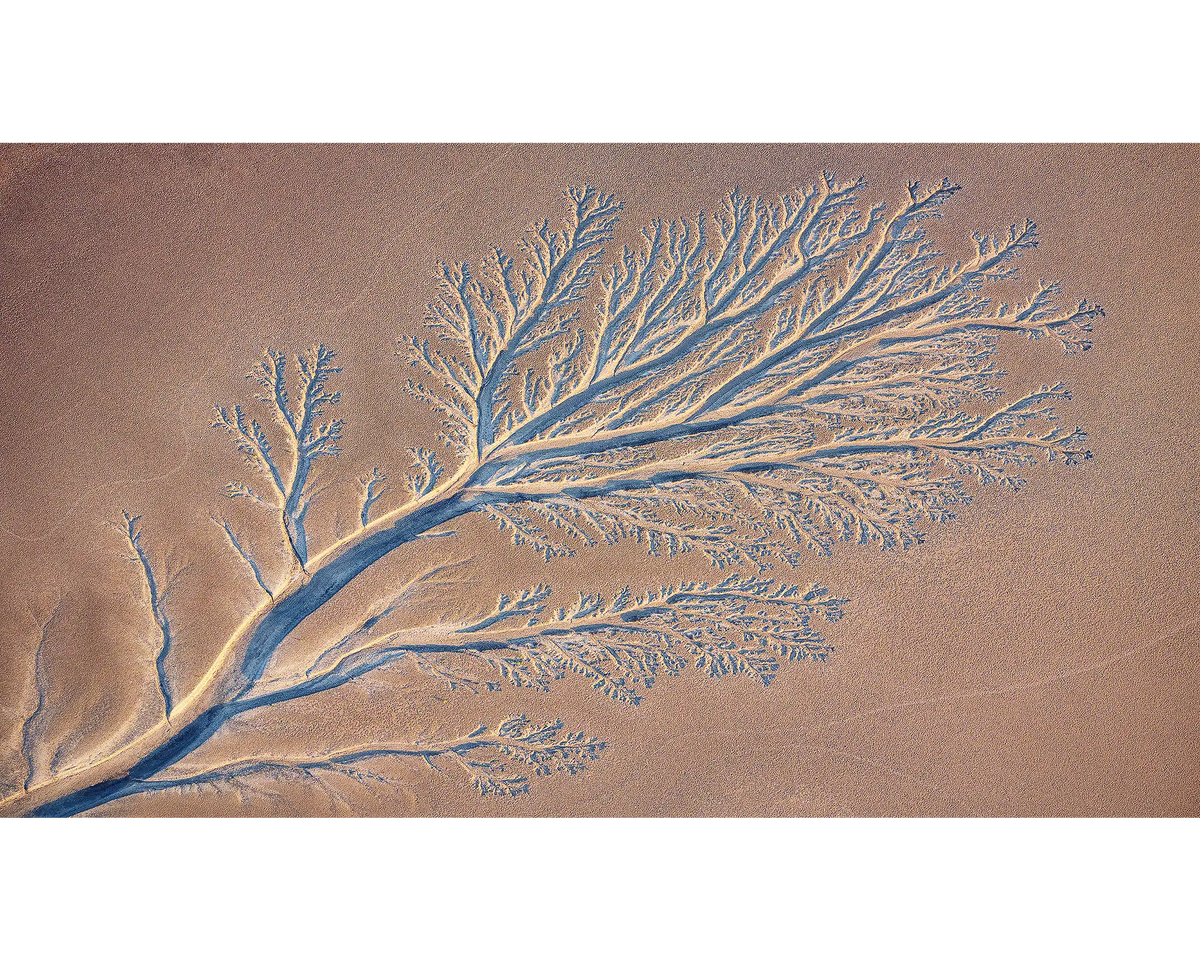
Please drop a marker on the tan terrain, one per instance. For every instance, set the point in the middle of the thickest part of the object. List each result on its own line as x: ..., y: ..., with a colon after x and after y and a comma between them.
x: 352, y: 608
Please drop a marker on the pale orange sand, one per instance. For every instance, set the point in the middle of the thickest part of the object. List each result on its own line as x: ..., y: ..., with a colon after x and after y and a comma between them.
x: 1035, y: 656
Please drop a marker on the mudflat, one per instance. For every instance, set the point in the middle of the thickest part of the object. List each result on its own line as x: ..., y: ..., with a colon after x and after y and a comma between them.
x: 718, y: 493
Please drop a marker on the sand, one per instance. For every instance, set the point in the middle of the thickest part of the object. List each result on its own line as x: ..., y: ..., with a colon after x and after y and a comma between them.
x: 1034, y: 656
